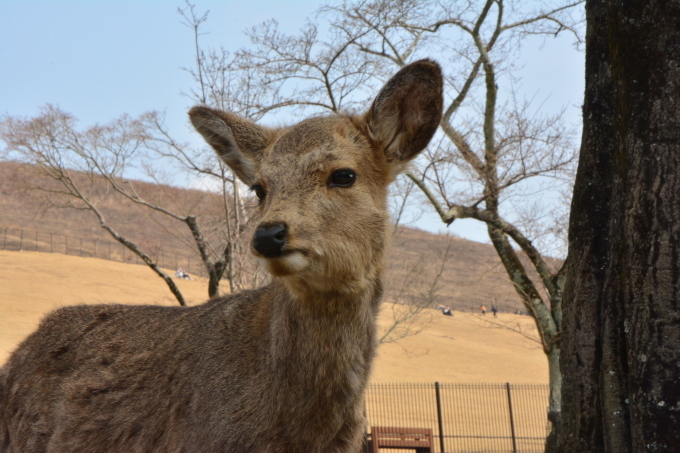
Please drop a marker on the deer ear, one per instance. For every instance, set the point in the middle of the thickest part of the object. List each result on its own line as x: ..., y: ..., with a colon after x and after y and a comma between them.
x: 239, y: 143
x: 405, y: 114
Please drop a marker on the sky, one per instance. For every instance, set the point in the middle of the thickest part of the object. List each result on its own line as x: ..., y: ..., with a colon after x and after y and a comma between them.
x: 98, y: 59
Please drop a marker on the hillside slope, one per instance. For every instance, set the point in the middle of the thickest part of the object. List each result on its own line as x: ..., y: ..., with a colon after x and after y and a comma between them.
x: 463, y: 348
x: 472, y: 276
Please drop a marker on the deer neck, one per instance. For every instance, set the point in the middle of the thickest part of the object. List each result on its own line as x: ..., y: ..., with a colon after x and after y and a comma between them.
x: 327, y: 317
x: 326, y: 343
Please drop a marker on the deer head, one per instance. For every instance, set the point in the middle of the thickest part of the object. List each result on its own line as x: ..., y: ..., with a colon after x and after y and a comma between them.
x: 322, y: 183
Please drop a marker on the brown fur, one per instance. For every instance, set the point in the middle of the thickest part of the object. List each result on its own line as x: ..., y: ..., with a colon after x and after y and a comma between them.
x: 279, y: 369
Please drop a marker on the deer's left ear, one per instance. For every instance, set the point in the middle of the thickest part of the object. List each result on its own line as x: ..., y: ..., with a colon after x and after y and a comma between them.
x: 405, y: 114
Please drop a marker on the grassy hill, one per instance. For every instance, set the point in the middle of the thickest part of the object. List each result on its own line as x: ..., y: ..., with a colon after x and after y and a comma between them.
x: 472, y: 276
x: 462, y: 348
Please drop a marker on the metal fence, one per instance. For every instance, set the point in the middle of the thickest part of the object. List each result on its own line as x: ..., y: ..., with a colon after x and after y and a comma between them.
x: 509, y: 418
x: 16, y: 239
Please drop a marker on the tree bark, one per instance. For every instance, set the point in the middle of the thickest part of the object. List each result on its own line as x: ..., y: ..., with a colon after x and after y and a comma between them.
x: 621, y: 327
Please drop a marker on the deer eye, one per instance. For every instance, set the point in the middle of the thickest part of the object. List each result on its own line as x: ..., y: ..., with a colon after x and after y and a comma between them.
x: 344, y: 177
x: 259, y: 192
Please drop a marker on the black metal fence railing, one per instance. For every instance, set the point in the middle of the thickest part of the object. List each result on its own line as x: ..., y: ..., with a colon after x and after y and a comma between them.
x: 508, y: 418
x: 15, y: 239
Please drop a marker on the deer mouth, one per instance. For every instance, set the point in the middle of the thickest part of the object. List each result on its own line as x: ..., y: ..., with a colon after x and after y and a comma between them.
x: 288, y: 263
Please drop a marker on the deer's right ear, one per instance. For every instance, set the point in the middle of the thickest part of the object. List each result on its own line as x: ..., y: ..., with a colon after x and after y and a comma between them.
x: 239, y: 143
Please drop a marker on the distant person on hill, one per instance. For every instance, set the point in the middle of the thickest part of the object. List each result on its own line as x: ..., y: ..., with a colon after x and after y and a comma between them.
x: 181, y: 274
x: 483, y: 308
x: 494, y: 310
x: 445, y: 310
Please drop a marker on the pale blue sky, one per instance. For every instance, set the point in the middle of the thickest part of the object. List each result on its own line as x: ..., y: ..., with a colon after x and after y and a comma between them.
x: 100, y: 59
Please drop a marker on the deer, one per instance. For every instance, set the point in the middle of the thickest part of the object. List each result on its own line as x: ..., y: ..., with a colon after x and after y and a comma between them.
x: 281, y: 368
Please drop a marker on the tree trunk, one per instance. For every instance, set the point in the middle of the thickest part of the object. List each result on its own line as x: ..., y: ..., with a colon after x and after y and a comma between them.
x: 555, y: 401
x: 545, y: 324
x: 215, y: 268
x: 555, y: 398
x: 621, y: 327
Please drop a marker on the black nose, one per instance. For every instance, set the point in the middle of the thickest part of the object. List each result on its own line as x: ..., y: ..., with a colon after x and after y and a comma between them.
x: 270, y: 238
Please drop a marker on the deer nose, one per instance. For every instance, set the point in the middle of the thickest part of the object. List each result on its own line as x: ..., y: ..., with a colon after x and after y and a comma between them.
x: 270, y: 238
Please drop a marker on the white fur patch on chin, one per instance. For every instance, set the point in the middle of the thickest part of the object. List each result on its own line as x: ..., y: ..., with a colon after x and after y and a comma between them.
x: 286, y: 265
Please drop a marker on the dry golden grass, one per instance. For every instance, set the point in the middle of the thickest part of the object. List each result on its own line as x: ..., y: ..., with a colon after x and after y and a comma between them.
x: 463, y: 348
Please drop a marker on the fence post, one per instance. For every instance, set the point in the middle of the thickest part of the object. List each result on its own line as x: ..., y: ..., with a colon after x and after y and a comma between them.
x: 512, y: 419
x: 21, y: 241
x: 4, y: 241
x: 36, y: 240
x: 81, y: 247
x: 51, y: 249
x: 95, y: 248
x: 439, y: 416
x: 109, y: 251
x: 65, y: 245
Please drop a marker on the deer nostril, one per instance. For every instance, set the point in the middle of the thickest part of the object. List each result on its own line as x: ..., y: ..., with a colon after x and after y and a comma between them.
x: 269, y: 239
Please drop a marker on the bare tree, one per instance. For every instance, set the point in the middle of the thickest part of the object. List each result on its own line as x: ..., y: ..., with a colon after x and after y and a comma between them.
x: 494, y: 153
x: 221, y: 242
x: 301, y: 72
x: 75, y: 160
x: 90, y: 165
